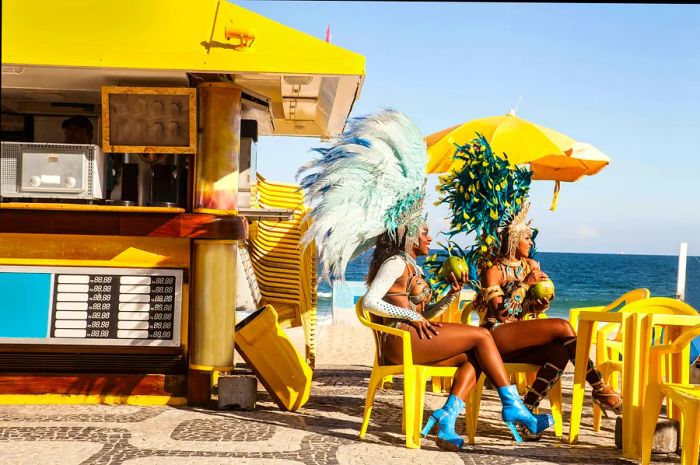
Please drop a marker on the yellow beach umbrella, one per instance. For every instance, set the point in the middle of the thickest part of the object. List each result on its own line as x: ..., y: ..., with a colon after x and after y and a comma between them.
x: 580, y: 160
x: 552, y: 155
x: 522, y: 140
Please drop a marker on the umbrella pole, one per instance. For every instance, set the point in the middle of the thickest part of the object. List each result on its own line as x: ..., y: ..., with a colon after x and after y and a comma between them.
x: 555, y: 199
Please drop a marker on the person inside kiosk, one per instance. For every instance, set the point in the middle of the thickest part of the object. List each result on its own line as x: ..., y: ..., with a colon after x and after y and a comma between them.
x: 77, y: 130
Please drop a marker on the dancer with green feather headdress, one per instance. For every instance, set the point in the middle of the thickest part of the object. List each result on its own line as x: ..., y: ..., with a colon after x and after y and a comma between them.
x: 366, y: 190
x: 488, y: 197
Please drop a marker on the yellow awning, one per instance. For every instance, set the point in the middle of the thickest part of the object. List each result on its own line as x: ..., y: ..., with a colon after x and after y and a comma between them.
x: 305, y: 78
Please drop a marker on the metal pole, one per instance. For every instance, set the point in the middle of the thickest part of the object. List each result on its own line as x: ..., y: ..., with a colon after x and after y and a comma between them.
x: 682, y: 257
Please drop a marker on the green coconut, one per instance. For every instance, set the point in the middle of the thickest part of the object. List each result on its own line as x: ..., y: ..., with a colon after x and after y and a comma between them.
x: 454, y: 265
x: 542, y: 290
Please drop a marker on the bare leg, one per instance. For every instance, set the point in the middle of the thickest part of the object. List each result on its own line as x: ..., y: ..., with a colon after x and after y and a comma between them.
x: 453, y: 340
x: 527, y: 333
x: 518, y: 335
x: 467, y: 374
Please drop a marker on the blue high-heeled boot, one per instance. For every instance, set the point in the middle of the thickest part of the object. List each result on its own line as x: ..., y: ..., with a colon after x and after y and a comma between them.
x: 445, y: 418
x: 514, y: 411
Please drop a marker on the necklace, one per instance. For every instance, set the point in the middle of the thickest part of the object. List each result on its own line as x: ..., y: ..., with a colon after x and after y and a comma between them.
x: 512, y: 264
x: 413, y: 263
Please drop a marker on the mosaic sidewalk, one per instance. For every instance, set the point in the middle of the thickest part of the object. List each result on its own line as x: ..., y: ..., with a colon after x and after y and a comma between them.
x: 323, y: 432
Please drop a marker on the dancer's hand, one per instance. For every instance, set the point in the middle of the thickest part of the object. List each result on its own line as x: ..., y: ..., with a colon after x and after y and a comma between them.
x: 425, y: 328
x: 535, y: 276
x: 456, y: 285
x: 539, y: 305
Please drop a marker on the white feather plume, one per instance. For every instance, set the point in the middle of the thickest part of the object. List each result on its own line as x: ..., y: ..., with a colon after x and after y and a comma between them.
x: 376, y: 164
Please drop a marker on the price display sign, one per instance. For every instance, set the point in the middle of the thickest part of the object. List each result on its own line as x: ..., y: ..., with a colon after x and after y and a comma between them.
x: 102, y: 306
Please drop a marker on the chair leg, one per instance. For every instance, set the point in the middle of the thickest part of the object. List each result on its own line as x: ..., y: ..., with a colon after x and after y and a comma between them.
x: 409, y: 407
x: 472, y: 417
x: 597, y: 411
x: 436, y: 384
x: 690, y: 442
x: 555, y: 400
x: 446, y: 384
x: 652, y: 409
x: 420, y: 404
x: 374, y: 381
x: 389, y: 379
x: 530, y: 378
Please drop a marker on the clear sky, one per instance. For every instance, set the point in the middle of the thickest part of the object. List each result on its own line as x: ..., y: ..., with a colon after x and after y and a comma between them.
x: 625, y: 78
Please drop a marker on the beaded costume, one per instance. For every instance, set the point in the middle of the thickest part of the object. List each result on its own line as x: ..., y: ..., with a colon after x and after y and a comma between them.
x: 513, y: 291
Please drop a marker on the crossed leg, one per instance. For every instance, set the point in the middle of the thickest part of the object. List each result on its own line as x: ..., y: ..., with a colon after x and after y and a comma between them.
x: 469, y: 348
x: 525, y: 340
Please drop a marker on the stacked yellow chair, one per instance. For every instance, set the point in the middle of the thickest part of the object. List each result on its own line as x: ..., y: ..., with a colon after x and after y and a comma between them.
x: 608, y: 352
x: 685, y: 396
x: 414, y: 379
x: 285, y: 271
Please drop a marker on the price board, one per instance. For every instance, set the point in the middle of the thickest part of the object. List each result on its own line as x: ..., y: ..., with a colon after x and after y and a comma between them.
x: 101, y: 306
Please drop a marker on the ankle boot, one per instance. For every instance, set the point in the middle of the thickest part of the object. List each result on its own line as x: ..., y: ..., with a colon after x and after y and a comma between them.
x: 514, y: 411
x: 445, y: 418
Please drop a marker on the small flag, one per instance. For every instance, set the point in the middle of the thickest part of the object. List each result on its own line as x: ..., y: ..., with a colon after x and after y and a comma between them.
x: 328, y: 33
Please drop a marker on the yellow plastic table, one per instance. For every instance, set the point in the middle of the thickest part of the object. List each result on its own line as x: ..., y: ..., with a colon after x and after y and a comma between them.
x: 631, y: 406
x: 637, y: 340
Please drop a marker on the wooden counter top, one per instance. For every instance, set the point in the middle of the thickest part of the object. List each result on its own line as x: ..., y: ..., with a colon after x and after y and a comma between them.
x: 120, y: 221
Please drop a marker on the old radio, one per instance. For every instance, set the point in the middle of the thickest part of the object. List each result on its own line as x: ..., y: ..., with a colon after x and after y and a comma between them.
x: 51, y: 171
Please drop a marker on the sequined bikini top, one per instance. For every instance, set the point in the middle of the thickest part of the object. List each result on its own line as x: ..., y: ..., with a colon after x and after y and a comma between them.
x: 418, y: 290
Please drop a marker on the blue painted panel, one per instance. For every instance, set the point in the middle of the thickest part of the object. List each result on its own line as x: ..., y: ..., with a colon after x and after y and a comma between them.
x: 346, y: 295
x: 24, y: 304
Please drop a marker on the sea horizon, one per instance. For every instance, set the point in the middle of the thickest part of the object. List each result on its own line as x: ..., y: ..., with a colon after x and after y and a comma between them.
x: 581, y: 279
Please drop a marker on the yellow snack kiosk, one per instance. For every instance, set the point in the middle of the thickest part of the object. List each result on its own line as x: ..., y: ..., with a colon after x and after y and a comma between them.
x: 128, y: 187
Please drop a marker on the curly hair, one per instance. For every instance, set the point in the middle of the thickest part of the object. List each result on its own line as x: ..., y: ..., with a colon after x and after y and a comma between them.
x: 384, y: 248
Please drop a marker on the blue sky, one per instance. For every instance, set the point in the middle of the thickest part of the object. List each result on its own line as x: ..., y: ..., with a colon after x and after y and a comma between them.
x: 625, y: 78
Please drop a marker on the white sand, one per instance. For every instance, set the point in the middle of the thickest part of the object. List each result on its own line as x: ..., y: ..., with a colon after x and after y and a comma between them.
x: 344, y: 343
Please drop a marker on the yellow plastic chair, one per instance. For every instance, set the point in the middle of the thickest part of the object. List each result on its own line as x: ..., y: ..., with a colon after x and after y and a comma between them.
x: 685, y: 396
x: 609, y: 352
x: 603, y: 353
x: 414, y: 379
x: 626, y: 298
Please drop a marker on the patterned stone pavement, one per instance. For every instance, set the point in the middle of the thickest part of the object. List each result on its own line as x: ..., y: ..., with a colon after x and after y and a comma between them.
x: 324, y: 431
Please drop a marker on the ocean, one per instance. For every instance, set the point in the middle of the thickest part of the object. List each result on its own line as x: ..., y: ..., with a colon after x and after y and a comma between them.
x: 581, y: 280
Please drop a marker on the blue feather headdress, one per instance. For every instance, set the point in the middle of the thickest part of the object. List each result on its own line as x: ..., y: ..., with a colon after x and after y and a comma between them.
x: 371, y: 180
x: 486, y: 196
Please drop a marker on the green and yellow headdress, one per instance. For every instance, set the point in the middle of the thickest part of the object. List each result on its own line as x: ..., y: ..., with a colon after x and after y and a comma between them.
x: 485, y: 193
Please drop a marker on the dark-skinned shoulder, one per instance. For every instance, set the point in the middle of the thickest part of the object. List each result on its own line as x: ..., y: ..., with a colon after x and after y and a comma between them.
x: 491, y: 276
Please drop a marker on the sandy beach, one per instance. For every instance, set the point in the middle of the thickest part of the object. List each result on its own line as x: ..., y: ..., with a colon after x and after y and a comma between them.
x: 343, y: 343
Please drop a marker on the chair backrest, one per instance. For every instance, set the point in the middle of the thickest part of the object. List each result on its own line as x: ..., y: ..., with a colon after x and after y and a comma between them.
x: 366, y: 319
x: 467, y: 311
x: 660, y: 305
x: 627, y: 298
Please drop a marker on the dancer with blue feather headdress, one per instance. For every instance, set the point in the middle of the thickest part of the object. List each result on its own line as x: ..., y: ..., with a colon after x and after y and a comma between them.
x: 367, y: 189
